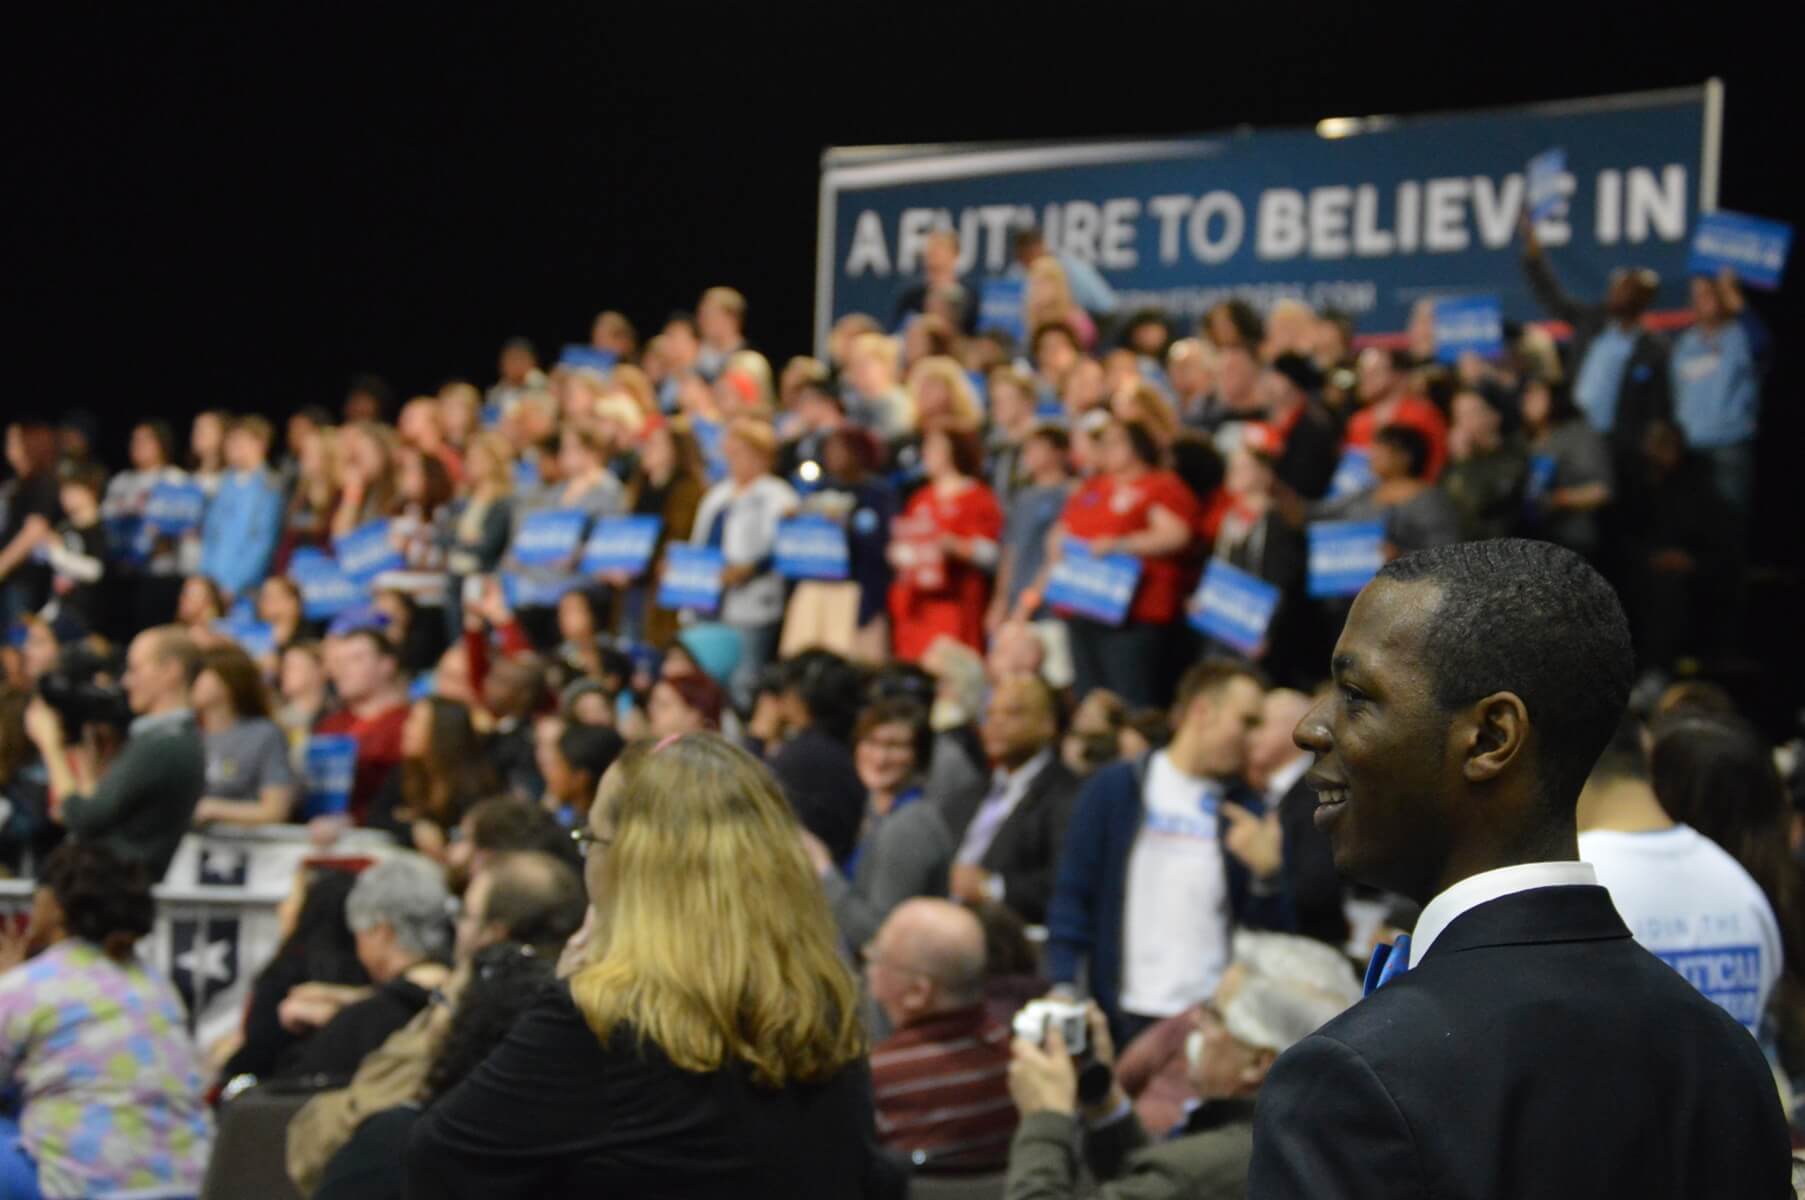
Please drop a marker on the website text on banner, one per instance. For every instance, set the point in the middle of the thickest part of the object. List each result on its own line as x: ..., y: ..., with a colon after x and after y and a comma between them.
x: 1406, y: 208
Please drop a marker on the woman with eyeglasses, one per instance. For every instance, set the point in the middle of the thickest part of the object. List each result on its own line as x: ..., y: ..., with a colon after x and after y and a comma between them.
x: 707, y: 1041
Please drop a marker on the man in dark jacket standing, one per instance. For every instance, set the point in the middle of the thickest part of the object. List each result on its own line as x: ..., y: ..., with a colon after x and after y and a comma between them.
x: 1010, y: 834
x: 1147, y: 895
x: 1619, y: 369
x: 1519, y: 1043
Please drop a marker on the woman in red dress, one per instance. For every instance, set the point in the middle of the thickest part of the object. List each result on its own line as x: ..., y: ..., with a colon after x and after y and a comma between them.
x: 1133, y: 505
x: 944, y: 548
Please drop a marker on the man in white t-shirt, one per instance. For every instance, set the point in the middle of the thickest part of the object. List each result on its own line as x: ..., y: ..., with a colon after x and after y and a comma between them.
x: 1682, y: 895
x: 1147, y: 894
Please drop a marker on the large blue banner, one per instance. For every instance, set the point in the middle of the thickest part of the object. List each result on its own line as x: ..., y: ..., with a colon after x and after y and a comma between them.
x: 1366, y: 216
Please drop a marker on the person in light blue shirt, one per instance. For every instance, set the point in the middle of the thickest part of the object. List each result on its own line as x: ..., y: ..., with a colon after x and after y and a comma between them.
x: 1089, y: 288
x: 244, y: 518
x: 1601, y: 376
x: 1717, y: 366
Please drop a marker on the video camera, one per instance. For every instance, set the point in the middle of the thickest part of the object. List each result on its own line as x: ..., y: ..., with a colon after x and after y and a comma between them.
x: 84, y: 689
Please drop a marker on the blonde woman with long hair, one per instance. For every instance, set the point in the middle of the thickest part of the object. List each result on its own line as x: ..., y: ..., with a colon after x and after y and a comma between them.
x: 707, y: 1042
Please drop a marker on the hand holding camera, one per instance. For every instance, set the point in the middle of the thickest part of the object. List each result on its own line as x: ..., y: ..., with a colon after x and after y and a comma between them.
x: 1062, y: 1058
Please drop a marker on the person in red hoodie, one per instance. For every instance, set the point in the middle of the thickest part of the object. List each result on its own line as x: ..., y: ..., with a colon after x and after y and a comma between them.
x: 1385, y: 402
x: 366, y: 675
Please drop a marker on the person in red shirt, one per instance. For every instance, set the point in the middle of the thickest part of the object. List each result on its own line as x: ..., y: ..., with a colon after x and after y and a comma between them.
x: 1134, y: 505
x: 1385, y: 403
x: 945, y: 548
x: 366, y: 674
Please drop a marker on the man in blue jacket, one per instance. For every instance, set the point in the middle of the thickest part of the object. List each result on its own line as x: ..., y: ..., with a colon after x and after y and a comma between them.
x: 245, y: 518
x: 1148, y: 893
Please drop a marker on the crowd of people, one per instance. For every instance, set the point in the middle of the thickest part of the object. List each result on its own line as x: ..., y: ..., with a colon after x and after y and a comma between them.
x: 636, y: 737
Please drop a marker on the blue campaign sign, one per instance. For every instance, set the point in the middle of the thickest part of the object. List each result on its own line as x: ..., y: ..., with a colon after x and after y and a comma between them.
x: 1753, y: 247
x: 549, y: 537
x: 532, y: 591
x: 708, y: 436
x: 1098, y: 588
x: 1353, y: 474
x: 1233, y: 607
x: 253, y: 636
x: 490, y: 416
x: 1468, y: 324
x: 692, y: 578
x: 367, y: 552
x: 328, y: 770
x: 1366, y: 223
x: 1000, y: 307
x: 1548, y: 185
x: 1540, y: 478
x: 621, y: 544
x: 326, y: 591
x: 1344, y: 556
x: 811, y: 547
x: 127, y: 539
x: 173, y: 509
x: 586, y: 357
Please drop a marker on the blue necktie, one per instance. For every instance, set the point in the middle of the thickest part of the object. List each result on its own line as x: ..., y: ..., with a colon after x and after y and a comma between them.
x: 1388, y: 963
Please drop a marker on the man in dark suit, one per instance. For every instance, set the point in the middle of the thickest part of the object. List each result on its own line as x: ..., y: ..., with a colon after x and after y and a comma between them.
x: 1286, y: 838
x: 1010, y: 833
x: 1519, y: 1043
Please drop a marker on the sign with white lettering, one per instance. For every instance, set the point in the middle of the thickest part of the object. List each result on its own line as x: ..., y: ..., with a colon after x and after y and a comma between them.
x: 1233, y: 607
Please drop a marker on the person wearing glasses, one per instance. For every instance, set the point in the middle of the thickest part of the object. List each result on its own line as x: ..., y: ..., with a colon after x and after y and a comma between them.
x: 706, y: 1042
x: 942, y: 1077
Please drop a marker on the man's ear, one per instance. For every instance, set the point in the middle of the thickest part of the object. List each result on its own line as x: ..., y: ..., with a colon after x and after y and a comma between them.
x: 1491, y: 735
x: 1254, y: 1074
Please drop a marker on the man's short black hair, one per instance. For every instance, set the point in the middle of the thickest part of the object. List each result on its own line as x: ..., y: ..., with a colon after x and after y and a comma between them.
x: 1410, y: 443
x: 829, y: 687
x: 591, y: 748
x: 1533, y: 619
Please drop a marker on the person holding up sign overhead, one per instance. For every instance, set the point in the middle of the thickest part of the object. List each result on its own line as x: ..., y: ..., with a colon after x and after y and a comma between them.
x: 959, y: 517
x: 1717, y: 368
x: 739, y: 517
x: 1133, y: 506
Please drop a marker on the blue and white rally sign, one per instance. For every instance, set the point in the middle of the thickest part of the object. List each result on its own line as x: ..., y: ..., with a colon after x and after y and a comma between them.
x: 367, y: 552
x: 1548, y: 185
x: 531, y: 591
x: 1233, y: 607
x: 621, y: 544
x: 1753, y: 247
x: 1468, y: 324
x: 252, y: 636
x: 1344, y: 556
x: 326, y: 591
x: 1000, y: 307
x: 811, y: 547
x: 1353, y: 474
x: 329, y: 768
x: 1098, y: 588
x: 692, y: 578
x: 549, y: 537
x: 173, y: 509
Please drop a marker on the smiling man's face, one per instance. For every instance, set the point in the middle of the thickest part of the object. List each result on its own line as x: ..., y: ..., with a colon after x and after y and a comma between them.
x: 1385, y: 775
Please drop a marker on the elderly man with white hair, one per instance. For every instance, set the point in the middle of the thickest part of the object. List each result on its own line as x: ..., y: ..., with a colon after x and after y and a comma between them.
x: 1279, y: 989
